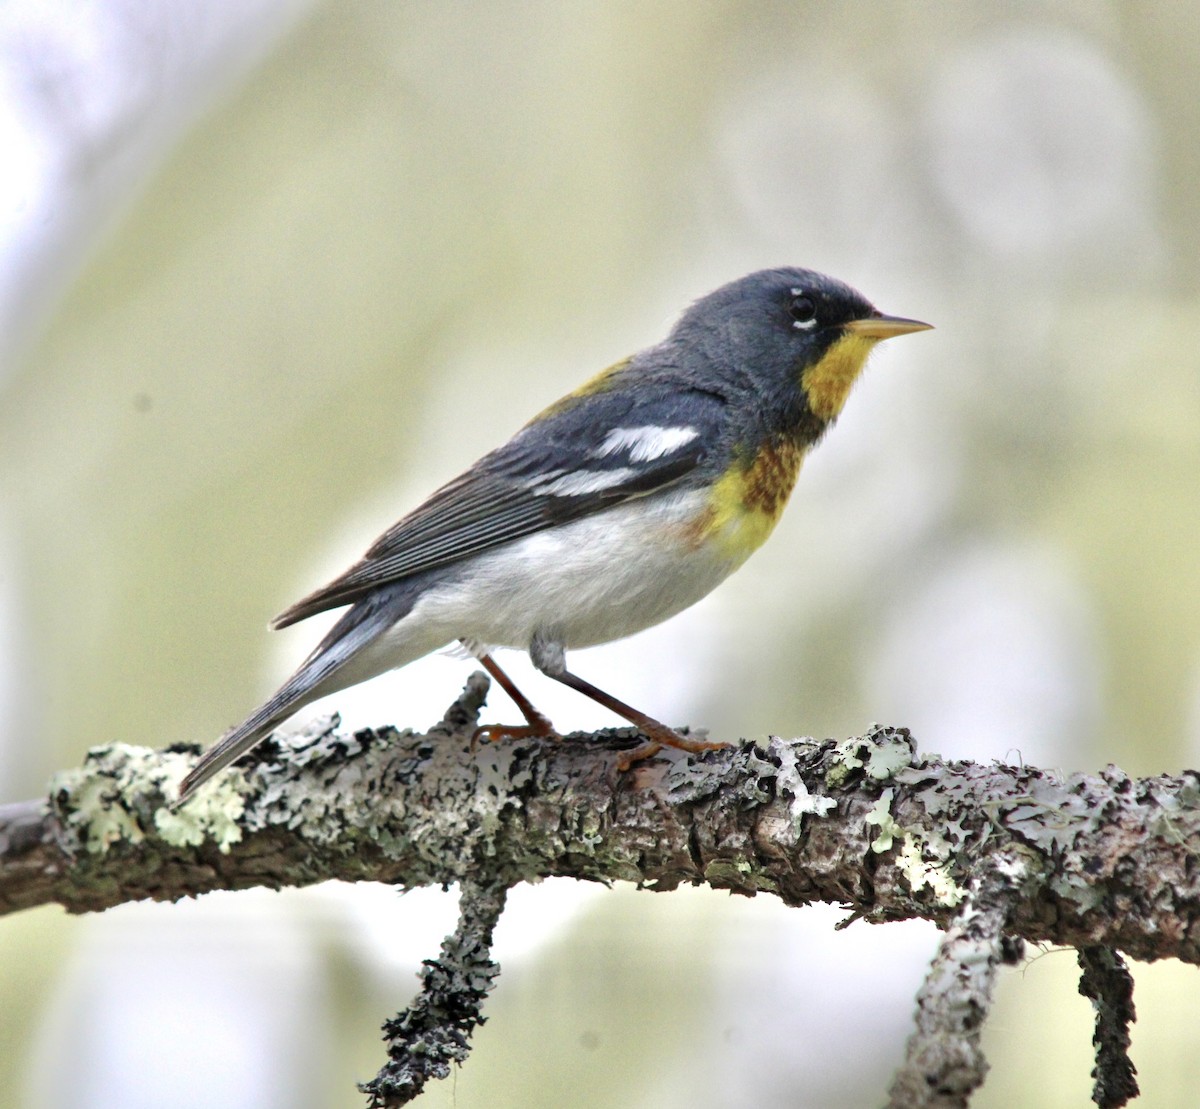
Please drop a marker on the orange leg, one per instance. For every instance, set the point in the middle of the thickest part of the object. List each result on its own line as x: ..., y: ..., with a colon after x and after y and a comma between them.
x: 658, y: 734
x: 536, y: 724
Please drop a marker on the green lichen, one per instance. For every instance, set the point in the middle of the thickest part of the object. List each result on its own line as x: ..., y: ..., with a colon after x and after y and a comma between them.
x: 847, y: 759
x: 791, y: 787
x: 879, y: 755
x: 213, y: 813
x: 890, y: 753
x: 88, y: 803
x: 924, y: 863
x: 881, y: 816
x: 119, y: 796
x: 923, y: 859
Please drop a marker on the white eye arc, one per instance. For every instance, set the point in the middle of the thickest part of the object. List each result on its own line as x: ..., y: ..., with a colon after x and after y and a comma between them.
x: 803, y: 310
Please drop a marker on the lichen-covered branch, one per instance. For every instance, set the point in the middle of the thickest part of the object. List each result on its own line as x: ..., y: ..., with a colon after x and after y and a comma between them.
x: 865, y: 823
x: 434, y: 1032
x: 1108, y: 985
x: 995, y: 854
x: 944, y: 1065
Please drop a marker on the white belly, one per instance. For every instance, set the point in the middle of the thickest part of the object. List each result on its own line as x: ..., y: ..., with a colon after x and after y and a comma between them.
x: 592, y: 581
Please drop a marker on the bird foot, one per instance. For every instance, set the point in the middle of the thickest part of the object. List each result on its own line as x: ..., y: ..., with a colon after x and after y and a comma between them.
x: 660, y: 737
x: 539, y: 727
x: 637, y: 754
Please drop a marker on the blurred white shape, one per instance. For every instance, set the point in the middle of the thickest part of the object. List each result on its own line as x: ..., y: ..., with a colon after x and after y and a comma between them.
x: 392, y: 930
x: 536, y: 915
x: 1038, y: 141
x: 992, y: 656
x: 12, y: 680
x: 790, y: 993
x: 224, y: 1002
x: 92, y: 96
x: 214, y: 1003
x: 387, y: 930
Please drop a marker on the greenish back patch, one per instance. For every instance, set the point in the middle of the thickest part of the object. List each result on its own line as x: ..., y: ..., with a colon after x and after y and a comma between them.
x: 598, y: 384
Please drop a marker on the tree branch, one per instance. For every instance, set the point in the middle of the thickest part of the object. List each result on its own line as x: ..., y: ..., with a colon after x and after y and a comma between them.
x: 987, y: 851
x: 433, y: 1033
x: 1108, y: 985
x: 944, y: 1065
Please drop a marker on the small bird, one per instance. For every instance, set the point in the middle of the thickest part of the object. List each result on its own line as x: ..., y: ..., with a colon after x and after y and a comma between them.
x: 615, y: 508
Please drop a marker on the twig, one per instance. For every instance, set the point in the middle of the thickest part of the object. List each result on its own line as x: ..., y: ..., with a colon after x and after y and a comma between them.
x: 433, y: 1033
x: 943, y: 1063
x: 1107, y: 983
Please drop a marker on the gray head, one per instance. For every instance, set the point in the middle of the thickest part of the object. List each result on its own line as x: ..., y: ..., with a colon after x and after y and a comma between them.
x: 790, y: 334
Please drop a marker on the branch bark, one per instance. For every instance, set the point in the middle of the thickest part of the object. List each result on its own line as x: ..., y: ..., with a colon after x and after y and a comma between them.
x: 1108, y: 985
x: 944, y: 1064
x: 434, y: 1032
x: 1104, y: 861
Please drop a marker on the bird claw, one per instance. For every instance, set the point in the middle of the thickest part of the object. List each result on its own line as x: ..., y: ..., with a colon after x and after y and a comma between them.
x: 667, y: 737
x: 637, y: 754
x: 541, y: 728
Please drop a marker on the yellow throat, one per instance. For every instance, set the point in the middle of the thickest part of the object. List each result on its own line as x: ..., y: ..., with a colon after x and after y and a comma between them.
x: 827, y: 383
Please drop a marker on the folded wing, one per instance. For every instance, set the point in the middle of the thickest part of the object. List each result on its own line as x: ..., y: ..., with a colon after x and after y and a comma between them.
x: 584, y: 457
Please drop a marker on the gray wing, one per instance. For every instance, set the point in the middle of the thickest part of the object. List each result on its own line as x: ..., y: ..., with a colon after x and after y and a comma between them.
x: 583, y: 457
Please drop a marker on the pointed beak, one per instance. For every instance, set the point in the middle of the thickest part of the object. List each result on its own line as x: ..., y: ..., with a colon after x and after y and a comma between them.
x: 885, y: 327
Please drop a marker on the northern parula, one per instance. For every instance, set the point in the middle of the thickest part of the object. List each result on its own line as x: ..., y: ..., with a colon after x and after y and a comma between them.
x: 618, y: 506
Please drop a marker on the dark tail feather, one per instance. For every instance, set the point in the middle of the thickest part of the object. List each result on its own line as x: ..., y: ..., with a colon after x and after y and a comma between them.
x: 236, y: 743
x: 349, y: 635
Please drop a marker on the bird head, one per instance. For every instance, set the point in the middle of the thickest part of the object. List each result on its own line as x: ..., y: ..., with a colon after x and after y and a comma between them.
x: 790, y: 330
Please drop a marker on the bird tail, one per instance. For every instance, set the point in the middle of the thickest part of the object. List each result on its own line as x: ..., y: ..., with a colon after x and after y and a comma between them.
x: 316, y: 677
x: 231, y: 746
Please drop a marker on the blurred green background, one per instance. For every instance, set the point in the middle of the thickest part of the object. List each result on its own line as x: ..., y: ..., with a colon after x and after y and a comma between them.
x: 285, y: 267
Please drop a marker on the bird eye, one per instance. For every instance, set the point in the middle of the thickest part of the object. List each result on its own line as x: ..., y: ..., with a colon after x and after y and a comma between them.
x: 803, y: 311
